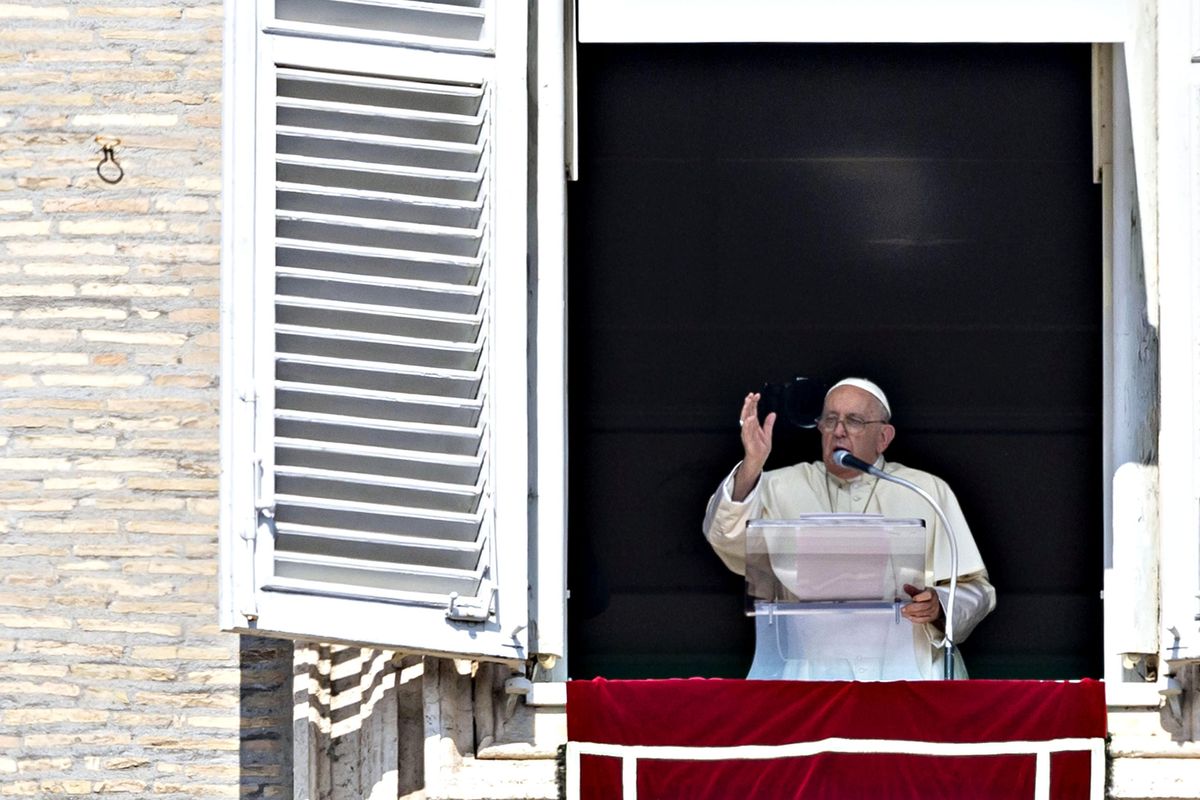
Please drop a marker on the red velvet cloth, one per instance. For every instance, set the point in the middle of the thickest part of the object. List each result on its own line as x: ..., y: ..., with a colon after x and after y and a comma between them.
x: 711, y: 713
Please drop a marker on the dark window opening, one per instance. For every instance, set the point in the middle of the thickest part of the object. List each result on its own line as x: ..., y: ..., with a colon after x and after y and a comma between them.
x: 921, y: 215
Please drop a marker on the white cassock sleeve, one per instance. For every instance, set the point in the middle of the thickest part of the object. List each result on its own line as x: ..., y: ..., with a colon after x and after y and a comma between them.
x: 974, y: 599
x: 725, y: 522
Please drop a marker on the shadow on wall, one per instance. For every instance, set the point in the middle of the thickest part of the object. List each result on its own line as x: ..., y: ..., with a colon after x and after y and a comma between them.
x: 378, y: 723
x: 265, y: 745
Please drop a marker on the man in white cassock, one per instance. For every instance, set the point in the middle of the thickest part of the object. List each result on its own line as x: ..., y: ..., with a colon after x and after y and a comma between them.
x: 856, y: 417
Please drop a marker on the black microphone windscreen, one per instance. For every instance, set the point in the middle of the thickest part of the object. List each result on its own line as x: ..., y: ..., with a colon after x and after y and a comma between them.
x: 844, y: 458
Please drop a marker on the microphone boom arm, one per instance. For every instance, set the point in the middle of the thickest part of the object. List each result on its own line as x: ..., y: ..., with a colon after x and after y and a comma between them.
x: 845, y: 458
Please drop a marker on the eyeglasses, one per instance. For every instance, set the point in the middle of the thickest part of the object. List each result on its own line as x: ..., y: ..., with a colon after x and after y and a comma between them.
x: 854, y: 425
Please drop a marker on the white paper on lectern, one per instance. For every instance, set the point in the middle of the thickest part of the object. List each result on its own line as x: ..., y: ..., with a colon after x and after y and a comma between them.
x: 857, y: 558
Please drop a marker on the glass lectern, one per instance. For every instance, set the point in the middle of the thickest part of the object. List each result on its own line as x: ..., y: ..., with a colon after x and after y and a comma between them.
x: 826, y: 592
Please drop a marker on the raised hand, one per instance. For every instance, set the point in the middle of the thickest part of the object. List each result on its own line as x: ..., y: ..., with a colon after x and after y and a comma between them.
x: 756, y: 444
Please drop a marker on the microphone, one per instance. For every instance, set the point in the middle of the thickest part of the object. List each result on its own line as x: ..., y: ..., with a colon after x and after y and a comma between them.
x: 844, y: 458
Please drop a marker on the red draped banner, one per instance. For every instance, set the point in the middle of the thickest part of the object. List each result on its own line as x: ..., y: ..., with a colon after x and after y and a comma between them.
x: 719, y: 739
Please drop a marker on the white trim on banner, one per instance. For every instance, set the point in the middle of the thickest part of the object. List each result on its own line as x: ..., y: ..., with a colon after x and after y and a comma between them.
x: 1041, y: 750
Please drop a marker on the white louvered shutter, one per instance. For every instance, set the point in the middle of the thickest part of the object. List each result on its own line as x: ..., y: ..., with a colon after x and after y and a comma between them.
x: 387, y: 350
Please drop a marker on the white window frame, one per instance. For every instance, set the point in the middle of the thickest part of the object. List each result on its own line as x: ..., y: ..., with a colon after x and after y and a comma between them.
x: 1156, y: 44
x: 548, y: 550
x: 842, y: 21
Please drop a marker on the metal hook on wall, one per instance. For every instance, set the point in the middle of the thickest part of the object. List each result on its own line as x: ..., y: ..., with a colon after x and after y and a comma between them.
x: 107, y: 144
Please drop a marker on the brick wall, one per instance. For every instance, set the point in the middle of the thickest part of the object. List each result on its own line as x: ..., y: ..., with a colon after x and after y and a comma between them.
x: 113, y: 675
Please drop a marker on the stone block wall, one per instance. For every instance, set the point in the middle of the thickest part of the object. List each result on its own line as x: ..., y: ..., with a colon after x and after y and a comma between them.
x: 114, y: 678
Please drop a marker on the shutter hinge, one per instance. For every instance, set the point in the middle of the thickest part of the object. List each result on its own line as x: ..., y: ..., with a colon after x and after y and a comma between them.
x: 472, y: 609
x: 264, y: 503
x: 246, y: 587
x: 264, y: 511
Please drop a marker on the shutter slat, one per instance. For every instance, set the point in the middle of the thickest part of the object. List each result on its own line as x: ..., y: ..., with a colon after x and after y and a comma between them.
x: 379, y: 290
x: 448, y: 439
x: 297, y: 84
x: 354, y: 118
x: 374, y: 319
x: 333, y: 229
x: 391, y: 100
x: 380, y: 205
x: 365, y: 578
x: 378, y: 149
x: 429, y: 183
x: 378, y: 461
x: 404, y: 19
x: 427, y: 523
x: 343, y: 372
x: 299, y: 340
x: 360, y: 488
x: 379, y: 261
x: 367, y: 546
x: 369, y: 404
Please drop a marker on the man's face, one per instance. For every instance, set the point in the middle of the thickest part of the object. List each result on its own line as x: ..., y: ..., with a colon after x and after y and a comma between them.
x: 867, y: 444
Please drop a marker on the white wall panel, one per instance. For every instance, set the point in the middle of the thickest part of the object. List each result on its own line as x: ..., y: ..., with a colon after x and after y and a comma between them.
x: 853, y: 21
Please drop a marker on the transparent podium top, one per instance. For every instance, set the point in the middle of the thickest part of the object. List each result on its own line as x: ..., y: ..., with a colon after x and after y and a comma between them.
x: 856, y: 559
